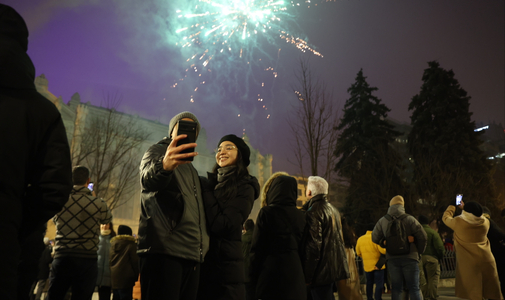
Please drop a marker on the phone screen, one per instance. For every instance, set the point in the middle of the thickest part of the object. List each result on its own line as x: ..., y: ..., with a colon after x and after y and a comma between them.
x: 90, y: 186
x: 188, y: 128
x: 459, y: 197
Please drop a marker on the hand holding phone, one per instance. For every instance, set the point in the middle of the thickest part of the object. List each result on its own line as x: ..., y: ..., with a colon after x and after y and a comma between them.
x: 182, y: 147
x: 189, y: 129
x: 90, y: 186
x: 459, y: 198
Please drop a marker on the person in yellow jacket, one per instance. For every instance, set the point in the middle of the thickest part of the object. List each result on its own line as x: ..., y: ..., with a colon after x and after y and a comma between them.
x: 370, y: 254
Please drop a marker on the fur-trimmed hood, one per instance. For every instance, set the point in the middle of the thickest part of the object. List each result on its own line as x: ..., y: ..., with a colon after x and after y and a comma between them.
x: 267, y: 185
x: 123, y: 237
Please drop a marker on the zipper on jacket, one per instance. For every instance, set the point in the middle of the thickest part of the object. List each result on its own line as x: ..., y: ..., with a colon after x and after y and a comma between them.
x: 199, y: 221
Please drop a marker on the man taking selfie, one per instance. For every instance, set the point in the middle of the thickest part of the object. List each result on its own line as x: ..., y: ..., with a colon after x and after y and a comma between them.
x: 172, y: 233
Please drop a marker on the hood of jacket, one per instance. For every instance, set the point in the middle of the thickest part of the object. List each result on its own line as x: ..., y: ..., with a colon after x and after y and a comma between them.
x: 253, y: 181
x: 396, y: 210
x: 17, y: 70
x: 283, y: 191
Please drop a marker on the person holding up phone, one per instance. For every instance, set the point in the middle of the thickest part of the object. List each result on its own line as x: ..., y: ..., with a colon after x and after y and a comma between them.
x: 476, y: 273
x: 229, y: 196
x: 173, y: 239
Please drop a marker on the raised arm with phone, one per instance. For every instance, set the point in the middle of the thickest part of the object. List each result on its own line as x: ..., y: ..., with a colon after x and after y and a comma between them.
x: 173, y: 238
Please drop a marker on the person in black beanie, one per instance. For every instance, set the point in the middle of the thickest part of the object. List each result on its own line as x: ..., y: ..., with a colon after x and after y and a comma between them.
x: 476, y: 273
x: 124, y: 263
x: 228, y: 197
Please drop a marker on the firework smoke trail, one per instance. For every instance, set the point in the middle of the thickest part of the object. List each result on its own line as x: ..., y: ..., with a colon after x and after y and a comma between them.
x: 225, y: 40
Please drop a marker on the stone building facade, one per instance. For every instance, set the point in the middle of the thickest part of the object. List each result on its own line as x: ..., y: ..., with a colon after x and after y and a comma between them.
x: 75, y: 115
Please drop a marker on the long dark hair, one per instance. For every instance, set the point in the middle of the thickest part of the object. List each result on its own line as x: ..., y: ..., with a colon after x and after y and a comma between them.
x: 230, y: 186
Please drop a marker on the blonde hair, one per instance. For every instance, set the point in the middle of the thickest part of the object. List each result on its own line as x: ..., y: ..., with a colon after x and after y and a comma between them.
x: 267, y: 185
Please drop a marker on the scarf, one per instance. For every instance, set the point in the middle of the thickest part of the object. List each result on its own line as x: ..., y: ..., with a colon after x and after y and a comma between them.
x: 223, y: 175
x: 471, y: 218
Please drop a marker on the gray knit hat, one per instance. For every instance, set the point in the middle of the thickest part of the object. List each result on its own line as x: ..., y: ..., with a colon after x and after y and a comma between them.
x: 180, y: 116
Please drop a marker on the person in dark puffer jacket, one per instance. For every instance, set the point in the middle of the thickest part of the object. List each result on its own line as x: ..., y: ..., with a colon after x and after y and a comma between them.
x: 124, y: 263
x: 36, y: 176
x: 276, y: 268
x: 228, y: 197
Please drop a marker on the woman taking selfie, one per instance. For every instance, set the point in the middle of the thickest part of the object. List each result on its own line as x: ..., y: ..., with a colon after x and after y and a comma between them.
x: 228, y: 197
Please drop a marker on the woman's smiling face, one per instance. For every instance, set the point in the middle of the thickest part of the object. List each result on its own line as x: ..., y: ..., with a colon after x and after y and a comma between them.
x: 226, y: 154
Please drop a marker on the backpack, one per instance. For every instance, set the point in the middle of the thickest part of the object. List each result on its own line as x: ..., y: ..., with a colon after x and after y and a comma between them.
x: 397, y: 241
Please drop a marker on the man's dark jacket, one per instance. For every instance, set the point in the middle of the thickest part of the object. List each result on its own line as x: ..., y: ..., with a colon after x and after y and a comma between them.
x: 275, y: 262
x: 172, y: 217
x: 324, y: 258
x: 222, y: 273
x: 36, y: 176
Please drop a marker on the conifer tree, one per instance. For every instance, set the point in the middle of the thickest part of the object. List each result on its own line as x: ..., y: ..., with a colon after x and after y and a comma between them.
x: 366, y: 158
x: 443, y: 144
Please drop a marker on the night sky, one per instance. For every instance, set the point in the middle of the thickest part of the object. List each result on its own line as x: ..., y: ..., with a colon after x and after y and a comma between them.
x: 126, y: 48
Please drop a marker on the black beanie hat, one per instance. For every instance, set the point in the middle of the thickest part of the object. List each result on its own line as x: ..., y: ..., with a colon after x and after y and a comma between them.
x: 241, y: 146
x: 474, y: 208
x: 124, y: 230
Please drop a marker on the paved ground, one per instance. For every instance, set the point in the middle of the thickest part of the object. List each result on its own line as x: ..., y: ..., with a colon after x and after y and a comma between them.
x: 445, y: 293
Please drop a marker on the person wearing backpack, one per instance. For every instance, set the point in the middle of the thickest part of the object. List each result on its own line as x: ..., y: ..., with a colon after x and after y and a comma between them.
x: 392, y: 232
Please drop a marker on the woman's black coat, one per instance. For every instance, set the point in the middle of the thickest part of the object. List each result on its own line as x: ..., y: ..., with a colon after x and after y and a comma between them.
x: 276, y: 267
x: 222, y: 272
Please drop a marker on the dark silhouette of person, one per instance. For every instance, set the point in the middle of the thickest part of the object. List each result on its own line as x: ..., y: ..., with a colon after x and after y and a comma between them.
x: 34, y: 158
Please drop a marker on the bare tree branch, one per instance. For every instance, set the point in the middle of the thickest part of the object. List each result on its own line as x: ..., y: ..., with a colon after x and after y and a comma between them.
x: 109, y: 145
x: 313, y: 123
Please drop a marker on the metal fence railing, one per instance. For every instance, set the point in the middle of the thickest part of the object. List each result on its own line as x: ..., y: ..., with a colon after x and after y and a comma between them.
x: 447, y: 265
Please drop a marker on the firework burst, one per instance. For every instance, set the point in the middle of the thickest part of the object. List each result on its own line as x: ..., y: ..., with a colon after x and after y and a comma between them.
x: 232, y: 37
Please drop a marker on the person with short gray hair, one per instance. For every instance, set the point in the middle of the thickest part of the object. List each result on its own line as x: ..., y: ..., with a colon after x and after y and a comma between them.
x: 324, y: 258
x: 317, y: 185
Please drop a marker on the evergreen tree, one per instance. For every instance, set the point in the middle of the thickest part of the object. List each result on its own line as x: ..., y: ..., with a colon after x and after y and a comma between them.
x: 366, y: 158
x: 443, y: 144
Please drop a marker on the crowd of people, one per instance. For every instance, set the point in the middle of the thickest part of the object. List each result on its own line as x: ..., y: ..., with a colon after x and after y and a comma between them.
x: 195, y: 240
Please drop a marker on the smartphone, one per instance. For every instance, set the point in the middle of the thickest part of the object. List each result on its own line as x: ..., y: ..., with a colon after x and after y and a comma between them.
x: 188, y: 128
x: 459, y: 197
x: 90, y: 186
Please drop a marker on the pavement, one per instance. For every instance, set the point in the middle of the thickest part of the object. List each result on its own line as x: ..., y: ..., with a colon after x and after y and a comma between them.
x: 444, y: 293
